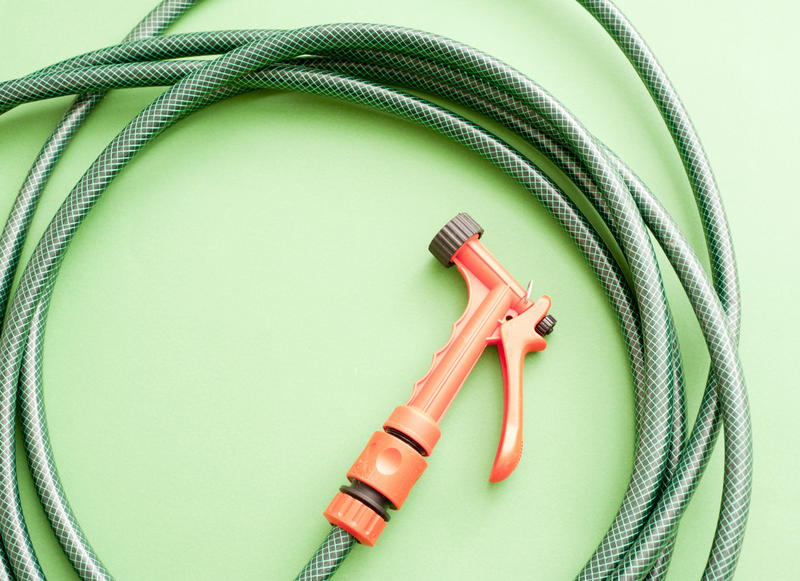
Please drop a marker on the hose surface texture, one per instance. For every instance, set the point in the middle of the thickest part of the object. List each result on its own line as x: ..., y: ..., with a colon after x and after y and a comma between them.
x: 375, y: 66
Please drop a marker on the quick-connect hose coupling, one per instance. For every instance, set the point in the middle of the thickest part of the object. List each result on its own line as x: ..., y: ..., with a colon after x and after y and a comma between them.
x: 380, y: 480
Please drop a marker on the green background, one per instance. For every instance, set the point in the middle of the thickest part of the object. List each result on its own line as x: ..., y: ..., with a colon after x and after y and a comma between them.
x: 253, y: 296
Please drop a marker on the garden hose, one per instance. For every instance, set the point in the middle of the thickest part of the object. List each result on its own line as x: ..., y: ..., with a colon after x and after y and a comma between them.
x: 375, y: 66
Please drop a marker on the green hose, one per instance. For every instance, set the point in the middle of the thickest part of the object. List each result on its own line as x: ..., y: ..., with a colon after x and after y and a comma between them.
x: 355, y: 63
x: 37, y: 441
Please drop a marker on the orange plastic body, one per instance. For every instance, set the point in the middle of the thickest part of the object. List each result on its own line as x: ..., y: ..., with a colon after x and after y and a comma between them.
x: 390, y: 466
x: 500, y: 312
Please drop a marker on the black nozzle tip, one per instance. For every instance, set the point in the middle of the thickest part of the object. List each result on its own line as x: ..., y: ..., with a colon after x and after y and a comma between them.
x: 452, y: 236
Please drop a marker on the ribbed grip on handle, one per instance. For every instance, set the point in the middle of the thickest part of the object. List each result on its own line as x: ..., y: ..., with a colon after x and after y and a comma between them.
x: 452, y: 236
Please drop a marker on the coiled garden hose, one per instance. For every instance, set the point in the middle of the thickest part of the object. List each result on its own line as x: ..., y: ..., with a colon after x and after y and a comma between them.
x: 373, y: 65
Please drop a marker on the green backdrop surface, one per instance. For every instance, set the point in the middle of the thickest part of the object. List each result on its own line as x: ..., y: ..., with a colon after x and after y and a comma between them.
x: 253, y: 296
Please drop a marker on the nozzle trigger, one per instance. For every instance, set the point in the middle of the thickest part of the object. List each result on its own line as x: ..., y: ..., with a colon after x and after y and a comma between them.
x: 518, y: 337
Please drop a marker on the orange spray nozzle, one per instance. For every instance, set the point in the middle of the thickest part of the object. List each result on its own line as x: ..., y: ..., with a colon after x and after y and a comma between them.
x: 499, y: 312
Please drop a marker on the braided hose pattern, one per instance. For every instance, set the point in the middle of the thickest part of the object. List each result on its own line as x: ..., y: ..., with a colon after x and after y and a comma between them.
x: 356, y: 63
x: 37, y: 441
x: 328, y: 557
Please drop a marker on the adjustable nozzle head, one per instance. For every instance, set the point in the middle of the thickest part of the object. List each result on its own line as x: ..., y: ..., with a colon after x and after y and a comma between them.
x: 453, y: 236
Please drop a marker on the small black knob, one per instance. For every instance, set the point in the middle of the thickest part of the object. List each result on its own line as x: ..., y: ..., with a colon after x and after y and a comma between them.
x: 545, y: 326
